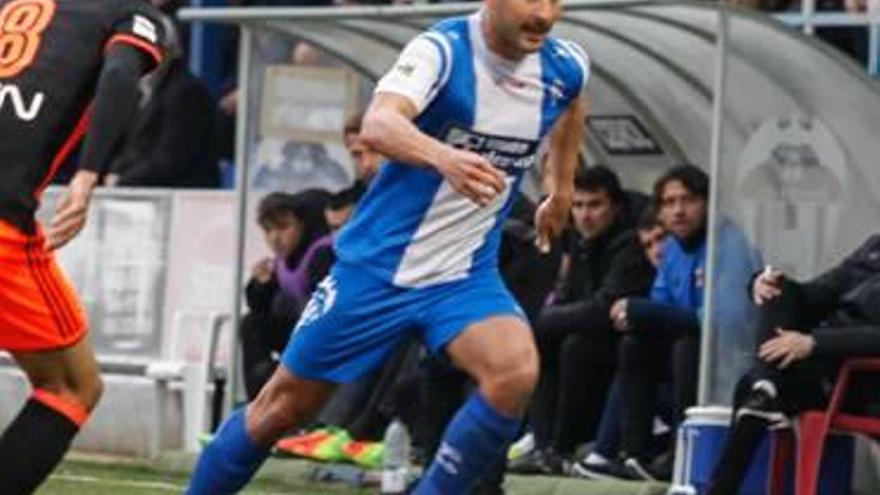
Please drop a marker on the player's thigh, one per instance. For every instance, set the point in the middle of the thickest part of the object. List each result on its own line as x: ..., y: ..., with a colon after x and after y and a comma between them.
x: 71, y: 370
x: 495, y: 346
x: 480, y: 325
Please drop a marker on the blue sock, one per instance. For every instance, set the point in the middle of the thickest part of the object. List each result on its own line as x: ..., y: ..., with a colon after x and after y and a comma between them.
x: 229, y: 461
x: 476, y: 438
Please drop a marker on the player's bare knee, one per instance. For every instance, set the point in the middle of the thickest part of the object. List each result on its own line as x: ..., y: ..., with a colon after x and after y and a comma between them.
x: 91, y: 392
x: 86, y: 388
x: 522, y: 367
x: 520, y: 379
x: 508, y: 393
x: 509, y: 388
x: 85, y: 392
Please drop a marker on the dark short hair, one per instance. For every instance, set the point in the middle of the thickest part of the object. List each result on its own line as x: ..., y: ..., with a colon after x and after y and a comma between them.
x: 353, y: 124
x: 274, y: 206
x: 692, y: 178
x: 648, y: 219
x: 598, y: 178
x: 346, y: 197
x: 306, y: 206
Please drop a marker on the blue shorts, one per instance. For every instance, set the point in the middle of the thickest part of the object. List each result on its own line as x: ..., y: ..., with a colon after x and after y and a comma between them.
x: 355, y: 319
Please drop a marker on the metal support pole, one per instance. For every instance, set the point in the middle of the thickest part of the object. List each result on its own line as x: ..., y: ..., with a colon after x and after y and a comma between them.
x: 196, y: 43
x: 241, y: 200
x: 873, y: 49
x: 874, y: 38
x: 808, y: 8
x: 708, y: 332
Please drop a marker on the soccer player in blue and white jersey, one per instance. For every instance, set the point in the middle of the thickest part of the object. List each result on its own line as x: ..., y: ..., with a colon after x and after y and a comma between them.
x: 460, y: 116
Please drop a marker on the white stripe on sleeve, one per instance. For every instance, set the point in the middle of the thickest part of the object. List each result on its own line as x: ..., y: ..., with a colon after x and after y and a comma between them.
x: 418, y: 72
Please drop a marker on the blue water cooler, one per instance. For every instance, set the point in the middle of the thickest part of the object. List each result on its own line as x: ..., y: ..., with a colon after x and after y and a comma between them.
x: 701, y: 438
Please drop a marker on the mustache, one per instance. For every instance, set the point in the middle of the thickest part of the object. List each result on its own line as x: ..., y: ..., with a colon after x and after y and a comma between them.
x: 537, y: 27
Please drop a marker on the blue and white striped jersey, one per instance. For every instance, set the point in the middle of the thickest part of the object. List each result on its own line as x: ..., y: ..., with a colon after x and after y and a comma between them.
x: 412, y: 228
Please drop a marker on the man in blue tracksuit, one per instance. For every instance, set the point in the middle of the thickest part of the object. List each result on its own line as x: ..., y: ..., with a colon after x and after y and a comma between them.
x: 662, y: 333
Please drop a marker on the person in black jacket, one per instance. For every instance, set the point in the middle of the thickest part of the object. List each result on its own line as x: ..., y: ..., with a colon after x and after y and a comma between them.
x: 170, y: 143
x: 807, y: 329
x: 575, y: 340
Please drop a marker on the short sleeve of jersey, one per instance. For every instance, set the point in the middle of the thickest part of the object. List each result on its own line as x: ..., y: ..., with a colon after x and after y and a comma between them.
x: 420, y: 71
x: 139, y: 25
x: 582, y: 60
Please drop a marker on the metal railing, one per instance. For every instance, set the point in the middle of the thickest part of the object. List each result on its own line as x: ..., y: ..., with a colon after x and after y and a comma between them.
x: 808, y: 19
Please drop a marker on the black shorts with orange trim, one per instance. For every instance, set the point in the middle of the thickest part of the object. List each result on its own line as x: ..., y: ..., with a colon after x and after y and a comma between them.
x: 39, y: 309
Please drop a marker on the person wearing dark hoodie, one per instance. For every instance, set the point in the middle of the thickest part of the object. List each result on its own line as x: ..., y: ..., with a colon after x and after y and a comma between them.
x: 169, y: 143
x: 806, y: 330
x: 297, y: 234
x: 575, y: 339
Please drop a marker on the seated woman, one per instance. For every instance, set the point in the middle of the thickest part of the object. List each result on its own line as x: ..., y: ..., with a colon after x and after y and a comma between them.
x: 297, y: 234
x: 807, y: 329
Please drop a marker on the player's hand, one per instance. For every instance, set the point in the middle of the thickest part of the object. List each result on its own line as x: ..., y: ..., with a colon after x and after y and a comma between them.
x: 111, y: 180
x: 229, y: 102
x: 787, y: 347
x: 767, y: 286
x: 472, y: 175
x: 263, y: 270
x: 550, y: 219
x: 72, y: 211
x: 619, y: 315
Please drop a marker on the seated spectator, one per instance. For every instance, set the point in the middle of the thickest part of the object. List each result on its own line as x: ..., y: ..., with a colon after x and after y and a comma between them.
x: 851, y: 40
x: 575, y: 340
x: 274, y: 48
x: 806, y: 330
x: 298, y: 237
x: 170, y: 143
x: 652, y: 235
x: 661, y: 335
x: 366, y: 161
x: 341, y: 205
x: 601, y: 463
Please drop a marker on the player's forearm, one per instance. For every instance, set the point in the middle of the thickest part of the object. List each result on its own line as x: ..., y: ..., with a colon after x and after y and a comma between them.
x: 82, y: 184
x: 395, y: 136
x: 565, y: 145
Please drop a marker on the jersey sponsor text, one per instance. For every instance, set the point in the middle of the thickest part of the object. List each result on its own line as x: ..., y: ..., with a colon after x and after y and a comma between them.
x: 503, y: 152
x: 12, y: 99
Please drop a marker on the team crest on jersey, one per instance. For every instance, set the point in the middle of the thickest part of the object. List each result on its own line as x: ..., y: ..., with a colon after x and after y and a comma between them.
x: 506, y: 153
x: 321, y: 301
x: 145, y: 28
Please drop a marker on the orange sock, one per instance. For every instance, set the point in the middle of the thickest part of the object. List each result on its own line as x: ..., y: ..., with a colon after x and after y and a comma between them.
x: 70, y: 409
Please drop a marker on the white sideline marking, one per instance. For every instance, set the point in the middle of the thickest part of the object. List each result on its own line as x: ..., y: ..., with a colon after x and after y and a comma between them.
x: 157, y: 485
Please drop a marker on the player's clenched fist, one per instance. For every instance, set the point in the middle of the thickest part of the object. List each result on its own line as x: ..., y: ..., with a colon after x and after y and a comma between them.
x: 472, y: 175
x: 550, y: 219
